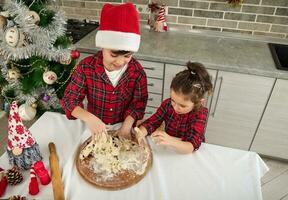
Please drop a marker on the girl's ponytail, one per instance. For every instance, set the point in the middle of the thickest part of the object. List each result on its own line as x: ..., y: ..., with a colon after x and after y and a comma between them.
x: 198, y: 71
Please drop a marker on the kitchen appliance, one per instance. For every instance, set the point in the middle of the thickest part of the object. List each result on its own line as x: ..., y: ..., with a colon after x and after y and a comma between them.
x: 280, y: 55
x: 77, y: 29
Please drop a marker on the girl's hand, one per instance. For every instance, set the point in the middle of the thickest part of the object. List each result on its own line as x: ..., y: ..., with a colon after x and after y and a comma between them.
x: 140, y: 136
x: 96, y: 126
x: 125, y: 132
x: 162, y: 138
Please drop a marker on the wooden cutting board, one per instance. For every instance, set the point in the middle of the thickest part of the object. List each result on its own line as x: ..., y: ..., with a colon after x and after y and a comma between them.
x: 121, y: 180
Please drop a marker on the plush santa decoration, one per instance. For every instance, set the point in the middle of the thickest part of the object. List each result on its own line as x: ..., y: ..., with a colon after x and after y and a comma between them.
x: 157, y: 20
x: 3, y: 182
x: 119, y: 28
x: 160, y: 24
x: 22, y: 149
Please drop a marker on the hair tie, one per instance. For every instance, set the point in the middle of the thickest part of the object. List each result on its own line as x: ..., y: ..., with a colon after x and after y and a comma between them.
x: 197, y: 85
x: 193, y: 73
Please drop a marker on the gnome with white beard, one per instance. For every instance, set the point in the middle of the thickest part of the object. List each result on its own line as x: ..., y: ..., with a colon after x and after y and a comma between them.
x: 22, y: 149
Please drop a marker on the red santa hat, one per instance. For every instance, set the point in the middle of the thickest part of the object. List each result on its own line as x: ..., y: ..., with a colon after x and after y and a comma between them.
x: 18, y: 135
x: 119, y: 28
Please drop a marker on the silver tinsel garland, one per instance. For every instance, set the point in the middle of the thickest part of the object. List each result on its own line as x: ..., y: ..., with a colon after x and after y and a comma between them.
x: 4, y: 70
x: 42, y: 39
x: 49, y: 53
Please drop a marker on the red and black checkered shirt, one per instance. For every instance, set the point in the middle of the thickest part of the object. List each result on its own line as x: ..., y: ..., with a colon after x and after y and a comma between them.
x: 110, y: 104
x: 189, y: 127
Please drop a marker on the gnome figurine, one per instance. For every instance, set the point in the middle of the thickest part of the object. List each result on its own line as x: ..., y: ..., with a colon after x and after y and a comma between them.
x: 22, y: 149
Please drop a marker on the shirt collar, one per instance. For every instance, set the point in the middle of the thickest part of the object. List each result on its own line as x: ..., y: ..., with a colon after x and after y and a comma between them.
x: 100, y: 70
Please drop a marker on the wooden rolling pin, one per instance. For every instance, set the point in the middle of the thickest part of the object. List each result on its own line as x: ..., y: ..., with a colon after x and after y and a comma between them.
x: 55, y: 173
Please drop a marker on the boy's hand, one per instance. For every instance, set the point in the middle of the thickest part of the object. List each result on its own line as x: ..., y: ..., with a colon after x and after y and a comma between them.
x: 140, y: 136
x: 124, y: 132
x: 162, y: 138
x: 96, y: 126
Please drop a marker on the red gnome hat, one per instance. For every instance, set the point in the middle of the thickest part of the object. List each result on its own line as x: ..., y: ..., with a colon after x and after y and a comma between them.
x: 22, y: 148
x: 19, y: 137
x: 119, y: 28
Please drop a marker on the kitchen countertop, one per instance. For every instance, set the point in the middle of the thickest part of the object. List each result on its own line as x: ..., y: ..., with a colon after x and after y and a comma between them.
x: 215, y: 52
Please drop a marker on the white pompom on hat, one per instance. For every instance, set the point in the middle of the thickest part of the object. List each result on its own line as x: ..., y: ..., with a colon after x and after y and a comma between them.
x: 119, y: 28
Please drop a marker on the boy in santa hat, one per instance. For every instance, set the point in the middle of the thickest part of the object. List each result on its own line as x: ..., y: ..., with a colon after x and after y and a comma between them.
x: 114, y: 83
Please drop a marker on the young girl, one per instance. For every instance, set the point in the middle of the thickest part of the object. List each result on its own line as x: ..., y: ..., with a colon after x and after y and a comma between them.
x: 114, y: 83
x: 183, y: 113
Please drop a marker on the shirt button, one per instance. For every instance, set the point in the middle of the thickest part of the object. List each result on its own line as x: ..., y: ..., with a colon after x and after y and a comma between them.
x: 113, y: 92
x: 111, y: 109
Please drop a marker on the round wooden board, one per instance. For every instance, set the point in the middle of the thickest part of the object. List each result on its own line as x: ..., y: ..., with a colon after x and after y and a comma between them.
x: 123, y: 180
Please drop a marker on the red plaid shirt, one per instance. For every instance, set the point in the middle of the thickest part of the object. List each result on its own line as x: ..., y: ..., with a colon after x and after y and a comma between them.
x: 111, y: 104
x: 189, y: 127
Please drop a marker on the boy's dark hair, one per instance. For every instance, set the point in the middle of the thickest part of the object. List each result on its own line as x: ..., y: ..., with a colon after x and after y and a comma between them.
x: 120, y: 52
x: 193, y: 82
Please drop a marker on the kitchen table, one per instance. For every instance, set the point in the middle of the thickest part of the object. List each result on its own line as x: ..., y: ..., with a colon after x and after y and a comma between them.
x: 213, y: 172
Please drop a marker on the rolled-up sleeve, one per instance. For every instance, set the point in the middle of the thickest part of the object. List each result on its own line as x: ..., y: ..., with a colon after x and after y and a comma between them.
x: 155, y: 121
x: 74, y: 92
x: 137, y: 106
x: 196, y: 135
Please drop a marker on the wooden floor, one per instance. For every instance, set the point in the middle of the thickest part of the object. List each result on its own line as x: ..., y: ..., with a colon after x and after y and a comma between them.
x: 274, y: 183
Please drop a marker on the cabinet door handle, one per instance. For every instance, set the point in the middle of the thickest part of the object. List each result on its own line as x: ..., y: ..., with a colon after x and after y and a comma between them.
x: 215, y: 107
x: 149, y: 68
x: 150, y: 84
x: 150, y: 99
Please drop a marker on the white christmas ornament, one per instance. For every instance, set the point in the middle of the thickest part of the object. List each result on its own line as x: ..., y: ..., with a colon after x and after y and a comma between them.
x: 49, y: 77
x: 12, y: 36
x: 27, y: 112
x: 13, y: 74
x: 65, y: 60
x: 33, y: 17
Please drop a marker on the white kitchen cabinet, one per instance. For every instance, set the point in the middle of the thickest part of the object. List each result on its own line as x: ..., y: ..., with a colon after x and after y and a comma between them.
x: 154, y: 85
x: 153, y: 69
x: 154, y: 72
x: 172, y: 70
x: 272, y: 136
x: 238, y: 103
x: 154, y: 100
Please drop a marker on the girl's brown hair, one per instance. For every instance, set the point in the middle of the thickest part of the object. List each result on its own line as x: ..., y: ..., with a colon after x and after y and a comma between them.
x: 193, y: 82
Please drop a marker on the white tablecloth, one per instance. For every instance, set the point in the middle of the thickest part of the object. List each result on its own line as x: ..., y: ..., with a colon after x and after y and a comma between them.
x: 212, y: 172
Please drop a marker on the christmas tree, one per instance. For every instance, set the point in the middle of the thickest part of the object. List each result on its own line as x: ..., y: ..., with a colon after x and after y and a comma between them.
x: 36, y: 58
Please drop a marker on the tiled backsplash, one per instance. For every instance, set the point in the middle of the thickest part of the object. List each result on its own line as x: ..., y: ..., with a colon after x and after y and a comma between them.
x: 252, y: 17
